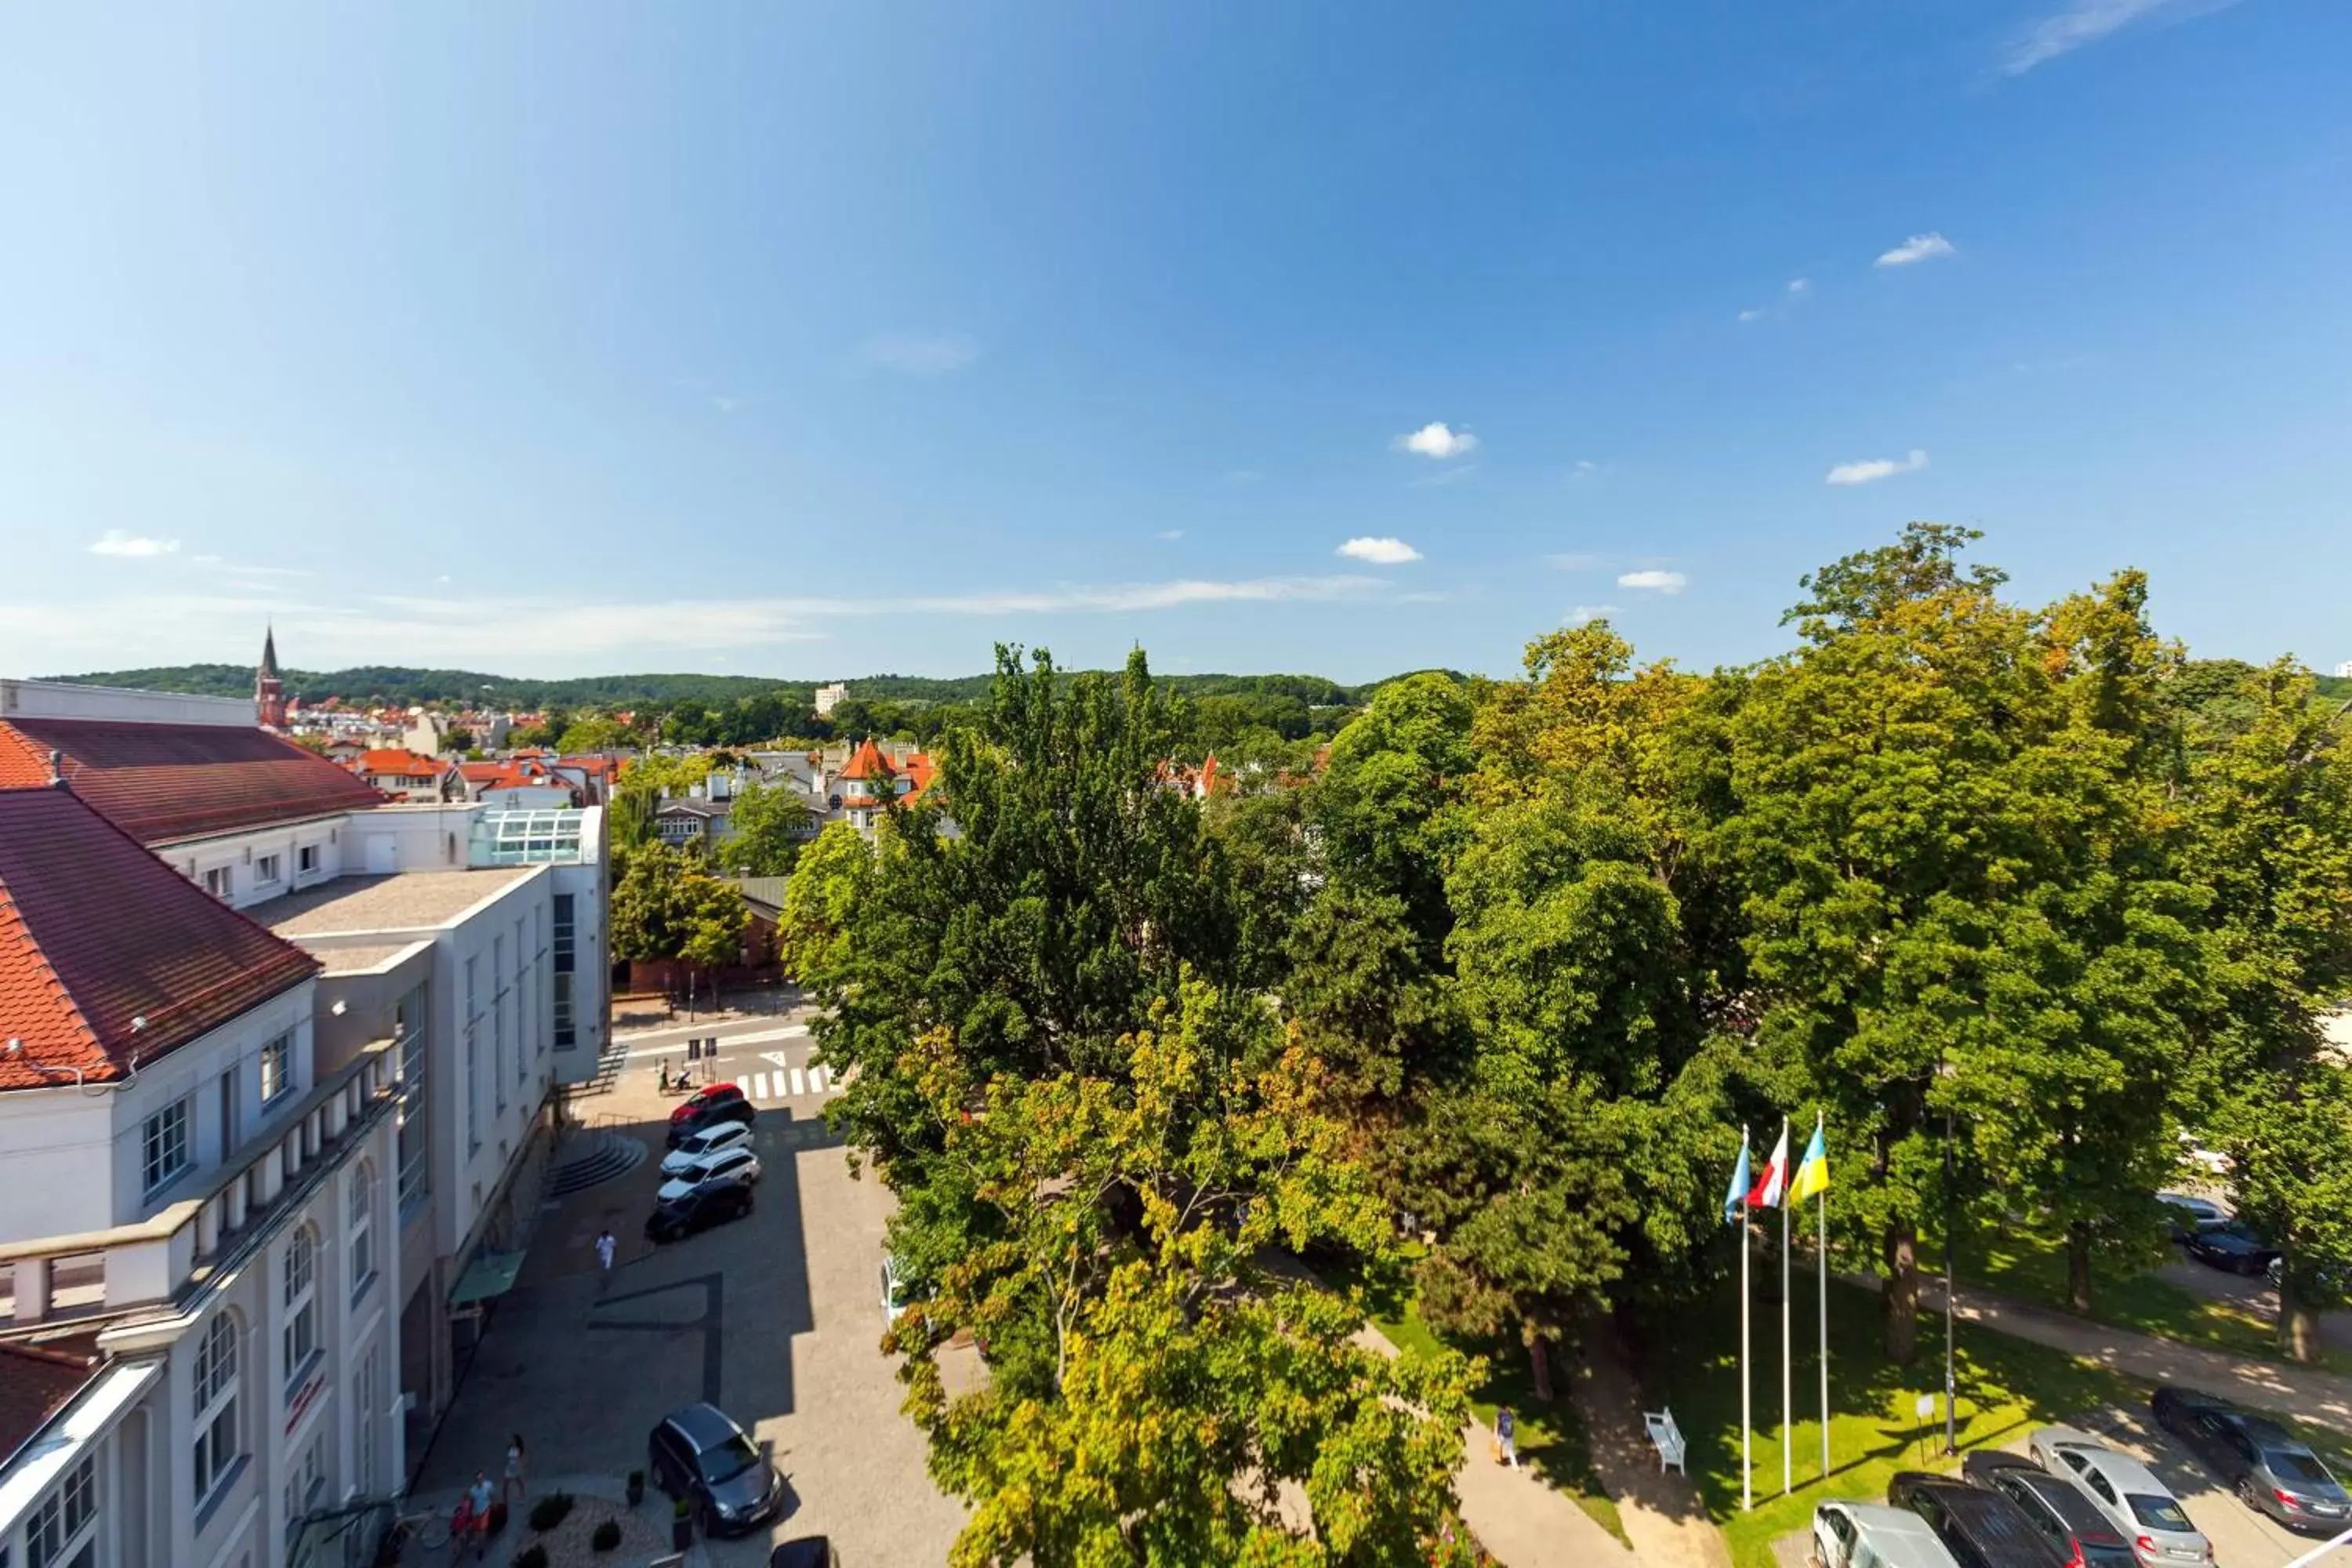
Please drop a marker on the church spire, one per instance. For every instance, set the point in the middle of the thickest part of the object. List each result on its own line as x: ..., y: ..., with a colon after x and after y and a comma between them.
x: 269, y: 653
x: 268, y: 690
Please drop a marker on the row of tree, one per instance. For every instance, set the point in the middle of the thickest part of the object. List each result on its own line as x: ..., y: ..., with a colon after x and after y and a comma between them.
x: 1518, y: 964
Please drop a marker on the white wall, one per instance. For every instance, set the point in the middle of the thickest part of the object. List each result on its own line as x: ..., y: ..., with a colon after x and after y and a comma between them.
x: 71, y: 1160
x: 63, y: 699
x: 242, y: 857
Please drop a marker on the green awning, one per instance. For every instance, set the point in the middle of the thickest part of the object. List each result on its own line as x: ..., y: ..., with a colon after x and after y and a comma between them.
x: 490, y: 1274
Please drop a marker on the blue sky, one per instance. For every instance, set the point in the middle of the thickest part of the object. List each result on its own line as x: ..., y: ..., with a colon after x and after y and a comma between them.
x: 822, y: 340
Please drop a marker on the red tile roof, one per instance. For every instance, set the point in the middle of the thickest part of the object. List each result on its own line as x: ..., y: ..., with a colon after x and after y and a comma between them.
x: 38, y: 1380
x: 96, y: 932
x: 159, y: 781
x: 399, y: 764
x: 867, y: 763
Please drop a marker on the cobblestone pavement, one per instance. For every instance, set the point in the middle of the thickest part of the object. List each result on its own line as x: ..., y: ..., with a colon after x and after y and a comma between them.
x: 775, y: 1318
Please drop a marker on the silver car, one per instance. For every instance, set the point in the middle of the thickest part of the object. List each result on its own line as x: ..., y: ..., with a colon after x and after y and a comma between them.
x: 2124, y: 1489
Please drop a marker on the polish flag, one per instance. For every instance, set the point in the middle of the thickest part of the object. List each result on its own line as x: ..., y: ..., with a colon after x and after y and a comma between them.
x: 1775, y: 1180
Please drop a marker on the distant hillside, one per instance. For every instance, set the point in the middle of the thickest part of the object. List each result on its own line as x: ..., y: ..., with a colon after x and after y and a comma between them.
x: 404, y: 686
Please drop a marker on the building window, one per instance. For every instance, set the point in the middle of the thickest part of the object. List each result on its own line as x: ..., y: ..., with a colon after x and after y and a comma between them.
x: 306, y: 1480
x: 306, y: 859
x: 276, y: 1056
x: 216, y: 881
x: 473, y: 1064
x: 499, y: 1019
x: 414, y: 1147
x: 163, y: 1145
x: 362, y: 1425
x: 60, y: 1531
x: 301, y: 1299
x: 358, y: 1227
x: 215, y: 1406
x: 566, y: 1032
x: 267, y: 869
x: 523, y: 1006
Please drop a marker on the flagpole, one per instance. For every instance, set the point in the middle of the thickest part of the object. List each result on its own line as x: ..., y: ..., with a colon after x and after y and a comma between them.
x: 1823, y: 1247
x: 1747, y: 1450
x: 1788, y: 1438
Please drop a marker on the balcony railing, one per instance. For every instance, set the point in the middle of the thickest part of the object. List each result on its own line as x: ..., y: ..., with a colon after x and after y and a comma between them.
x: 162, y: 1260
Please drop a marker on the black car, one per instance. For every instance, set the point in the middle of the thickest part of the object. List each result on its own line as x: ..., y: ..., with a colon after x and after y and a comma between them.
x: 2231, y: 1246
x: 2053, y: 1505
x: 805, y: 1552
x: 2272, y: 1470
x: 1980, y: 1527
x: 698, y: 1210
x: 719, y: 1103
x: 700, y: 1455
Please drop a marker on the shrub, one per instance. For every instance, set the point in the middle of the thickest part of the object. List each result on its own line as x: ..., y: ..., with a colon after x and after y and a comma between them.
x: 533, y: 1556
x: 607, y: 1535
x: 549, y: 1511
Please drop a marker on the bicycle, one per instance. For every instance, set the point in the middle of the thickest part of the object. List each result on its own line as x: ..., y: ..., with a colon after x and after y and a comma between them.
x: 428, y: 1530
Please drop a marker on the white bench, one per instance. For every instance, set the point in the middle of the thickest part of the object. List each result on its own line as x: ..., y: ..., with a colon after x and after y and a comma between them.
x: 1666, y: 1437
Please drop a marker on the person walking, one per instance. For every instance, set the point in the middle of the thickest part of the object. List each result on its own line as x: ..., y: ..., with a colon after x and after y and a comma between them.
x: 1507, y: 1437
x: 605, y: 1245
x: 514, y: 1482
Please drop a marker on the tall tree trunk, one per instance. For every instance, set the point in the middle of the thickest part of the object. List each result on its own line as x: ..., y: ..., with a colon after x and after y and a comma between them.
x: 2078, y: 1266
x: 1540, y: 1367
x: 1902, y: 1299
x: 2298, y: 1322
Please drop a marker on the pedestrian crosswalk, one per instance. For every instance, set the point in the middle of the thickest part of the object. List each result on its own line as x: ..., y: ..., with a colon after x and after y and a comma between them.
x: 770, y: 1085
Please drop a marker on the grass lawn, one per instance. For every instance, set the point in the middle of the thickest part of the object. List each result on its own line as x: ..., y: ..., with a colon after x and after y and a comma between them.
x: 2031, y: 1267
x: 2007, y: 1387
x: 1551, y: 1440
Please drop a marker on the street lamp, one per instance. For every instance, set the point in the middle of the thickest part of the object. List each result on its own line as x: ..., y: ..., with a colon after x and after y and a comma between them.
x: 1951, y: 1443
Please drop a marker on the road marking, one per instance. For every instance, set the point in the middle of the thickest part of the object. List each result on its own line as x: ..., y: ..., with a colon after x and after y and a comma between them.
x: 778, y: 1058
x: 823, y: 1078
x: 759, y: 1086
x: 799, y: 1086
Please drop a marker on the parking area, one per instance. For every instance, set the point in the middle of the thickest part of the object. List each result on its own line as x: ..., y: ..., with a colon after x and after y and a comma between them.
x: 775, y: 1318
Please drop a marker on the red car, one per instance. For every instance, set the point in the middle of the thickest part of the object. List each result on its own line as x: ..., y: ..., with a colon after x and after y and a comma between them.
x: 707, y: 1107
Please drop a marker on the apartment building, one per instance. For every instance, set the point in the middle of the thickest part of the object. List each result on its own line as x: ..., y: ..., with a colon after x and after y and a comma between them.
x: 453, y: 965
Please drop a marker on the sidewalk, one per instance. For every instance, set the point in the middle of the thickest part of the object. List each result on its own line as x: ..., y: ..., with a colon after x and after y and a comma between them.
x: 1522, y: 1520
x: 2309, y: 1394
x: 1660, y: 1509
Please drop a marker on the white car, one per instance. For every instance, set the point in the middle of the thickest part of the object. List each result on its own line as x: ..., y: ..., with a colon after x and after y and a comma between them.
x: 2127, y: 1492
x: 736, y: 1167
x: 1872, y: 1535
x: 709, y: 1140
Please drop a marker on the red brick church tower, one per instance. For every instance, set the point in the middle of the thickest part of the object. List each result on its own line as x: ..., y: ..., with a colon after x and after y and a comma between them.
x: 268, y: 691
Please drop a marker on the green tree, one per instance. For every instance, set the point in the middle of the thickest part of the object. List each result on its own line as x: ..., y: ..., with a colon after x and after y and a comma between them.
x: 666, y: 907
x: 1152, y: 1386
x: 824, y: 896
x: 594, y: 732
x: 1388, y: 804
x: 769, y: 825
x: 2269, y: 809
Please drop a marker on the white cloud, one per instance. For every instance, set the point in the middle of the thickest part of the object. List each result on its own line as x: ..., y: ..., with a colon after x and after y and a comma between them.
x: 1875, y: 469
x: 1757, y: 315
x: 1379, y: 552
x: 114, y: 542
x: 1659, y: 582
x: 1918, y: 247
x: 2088, y: 21
x: 1584, y: 613
x: 1587, y: 466
x: 1169, y: 535
x: 1798, y: 285
x: 918, y: 353
x: 1437, y: 440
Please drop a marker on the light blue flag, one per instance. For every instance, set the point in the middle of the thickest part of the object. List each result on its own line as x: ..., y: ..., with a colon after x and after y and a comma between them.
x: 1738, y: 1192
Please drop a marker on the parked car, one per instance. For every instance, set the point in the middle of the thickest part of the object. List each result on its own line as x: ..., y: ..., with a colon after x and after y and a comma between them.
x: 700, y: 1455
x: 709, y: 1140
x: 805, y: 1552
x: 1980, y: 1527
x: 736, y: 1167
x: 2331, y: 1280
x: 709, y: 1107
x: 2187, y: 1216
x: 2056, y: 1507
x: 2273, y: 1471
x: 2231, y: 1246
x: 1867, y: 1535
x: 2126, y: 1492
x: 2212, y: 1160
x: 698, y: 1210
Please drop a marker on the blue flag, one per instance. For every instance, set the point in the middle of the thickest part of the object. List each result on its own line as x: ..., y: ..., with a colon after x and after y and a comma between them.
x: 1738, y: 1192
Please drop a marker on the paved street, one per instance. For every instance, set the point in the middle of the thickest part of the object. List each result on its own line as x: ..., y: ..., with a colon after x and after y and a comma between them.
x: 775, y: 1318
